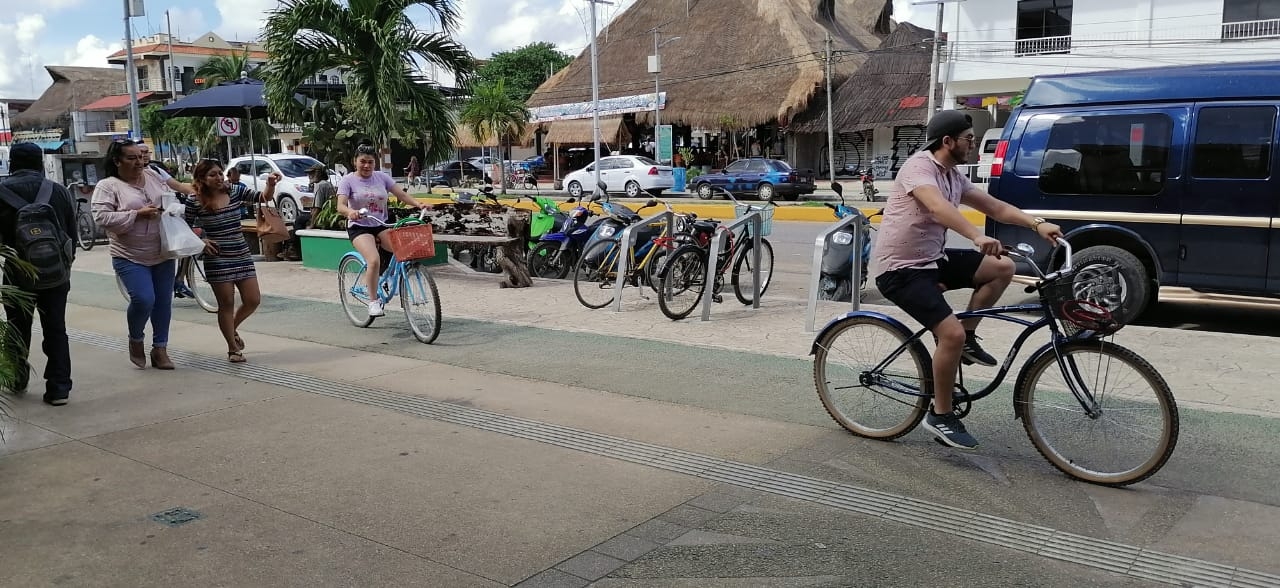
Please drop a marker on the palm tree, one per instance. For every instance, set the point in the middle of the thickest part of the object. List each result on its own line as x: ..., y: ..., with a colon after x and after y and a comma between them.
x: 379, y: 49
x: 12, y: 351
x: 491, y: 112
x: 227, y: 68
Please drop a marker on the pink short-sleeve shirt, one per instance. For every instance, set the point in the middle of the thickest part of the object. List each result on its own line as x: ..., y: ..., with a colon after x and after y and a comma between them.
x: 909, y: 236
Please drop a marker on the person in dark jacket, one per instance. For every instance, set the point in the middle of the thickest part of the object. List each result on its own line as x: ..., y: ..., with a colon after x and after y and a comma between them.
x: 27, y: 169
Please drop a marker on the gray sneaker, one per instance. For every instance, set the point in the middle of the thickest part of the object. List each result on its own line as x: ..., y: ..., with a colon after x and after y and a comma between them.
x: 948, y: 430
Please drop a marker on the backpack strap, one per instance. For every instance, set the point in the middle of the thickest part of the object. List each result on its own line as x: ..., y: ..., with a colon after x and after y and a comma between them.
x: 45, y: 193
x: 12, y: 198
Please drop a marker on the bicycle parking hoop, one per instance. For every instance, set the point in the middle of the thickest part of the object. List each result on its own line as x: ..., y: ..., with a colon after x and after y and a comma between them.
x: 627, y: 239
x: 756, y: 218
x: 815, y: 273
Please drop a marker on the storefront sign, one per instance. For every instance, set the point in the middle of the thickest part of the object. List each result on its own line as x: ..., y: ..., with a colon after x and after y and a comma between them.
x: 664, y: 144
x: 608, y: 107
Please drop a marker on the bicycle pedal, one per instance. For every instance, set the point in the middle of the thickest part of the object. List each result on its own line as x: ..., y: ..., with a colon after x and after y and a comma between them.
x: 717, y: 298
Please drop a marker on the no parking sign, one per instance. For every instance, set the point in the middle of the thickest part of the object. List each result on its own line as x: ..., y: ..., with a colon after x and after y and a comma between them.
x: 228, y: 127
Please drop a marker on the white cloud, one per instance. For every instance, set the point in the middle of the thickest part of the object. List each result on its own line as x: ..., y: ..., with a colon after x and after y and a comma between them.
x: 242, y: 20
x: 20, y: 74
x: 187, y: 22
x: 90, y: 51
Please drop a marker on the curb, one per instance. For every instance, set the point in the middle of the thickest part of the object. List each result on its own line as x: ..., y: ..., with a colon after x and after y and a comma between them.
x: 783, y: 212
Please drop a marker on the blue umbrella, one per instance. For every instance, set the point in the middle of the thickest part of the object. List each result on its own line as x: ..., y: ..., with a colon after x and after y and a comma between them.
x: 242, y: 98
x: 239, y: 99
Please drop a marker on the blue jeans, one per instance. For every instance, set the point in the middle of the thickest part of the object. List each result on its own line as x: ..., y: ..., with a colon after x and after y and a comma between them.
x: 150, y: 290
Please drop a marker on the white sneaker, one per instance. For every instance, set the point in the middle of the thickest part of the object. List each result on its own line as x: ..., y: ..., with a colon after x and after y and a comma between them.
x: 375, y: 309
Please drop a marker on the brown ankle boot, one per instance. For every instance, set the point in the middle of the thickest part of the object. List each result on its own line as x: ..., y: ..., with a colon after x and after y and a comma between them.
x: 138, y: 354
x: 160, y: 358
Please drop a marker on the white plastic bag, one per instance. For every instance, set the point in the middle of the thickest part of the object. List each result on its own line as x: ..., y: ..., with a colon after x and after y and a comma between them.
x: 176, y: 238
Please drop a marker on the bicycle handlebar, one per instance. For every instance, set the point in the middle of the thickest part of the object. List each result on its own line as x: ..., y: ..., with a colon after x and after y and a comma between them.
x: 1025, y: 251
x: 422, y: 217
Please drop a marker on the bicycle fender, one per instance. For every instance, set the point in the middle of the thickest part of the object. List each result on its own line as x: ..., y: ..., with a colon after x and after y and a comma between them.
x: 355, y: 254
x: 895, y: 323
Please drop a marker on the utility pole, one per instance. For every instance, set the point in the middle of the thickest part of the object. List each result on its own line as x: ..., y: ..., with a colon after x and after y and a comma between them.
x: 173, y: 82
x: 933, y: 66
x: 595, y: 93
x: 130, y: 72
x: 831, y: 127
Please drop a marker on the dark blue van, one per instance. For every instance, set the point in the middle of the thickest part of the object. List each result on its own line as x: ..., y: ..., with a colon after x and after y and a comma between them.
x: 1169, y: 173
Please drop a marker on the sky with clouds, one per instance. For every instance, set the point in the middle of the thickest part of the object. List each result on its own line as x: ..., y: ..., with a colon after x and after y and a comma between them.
x: 35, y: 33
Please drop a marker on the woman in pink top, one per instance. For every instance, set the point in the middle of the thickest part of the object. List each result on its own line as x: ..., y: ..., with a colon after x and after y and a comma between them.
x: 127, y: 204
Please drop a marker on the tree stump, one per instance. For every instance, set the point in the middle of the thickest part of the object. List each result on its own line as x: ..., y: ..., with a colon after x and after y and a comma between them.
x: 511, y: 255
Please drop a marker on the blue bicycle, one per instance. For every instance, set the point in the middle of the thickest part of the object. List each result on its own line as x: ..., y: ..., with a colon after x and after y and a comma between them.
x: 409, y: 279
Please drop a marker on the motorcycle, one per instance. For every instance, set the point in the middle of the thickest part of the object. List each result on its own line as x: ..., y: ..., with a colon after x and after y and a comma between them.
x: 546, y: 219
x: 836, y: 282
x: 556, y: 251
x: 869, y: 190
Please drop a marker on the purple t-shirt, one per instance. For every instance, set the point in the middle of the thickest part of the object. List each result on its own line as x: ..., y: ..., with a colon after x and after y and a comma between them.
x: 368, y: 193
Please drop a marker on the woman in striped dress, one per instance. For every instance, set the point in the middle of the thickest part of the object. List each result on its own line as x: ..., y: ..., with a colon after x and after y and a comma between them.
x: 227, y: 263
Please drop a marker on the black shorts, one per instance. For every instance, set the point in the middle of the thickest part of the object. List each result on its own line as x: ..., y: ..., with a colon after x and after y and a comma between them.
x: 916, y: 291
x: 354, y: 231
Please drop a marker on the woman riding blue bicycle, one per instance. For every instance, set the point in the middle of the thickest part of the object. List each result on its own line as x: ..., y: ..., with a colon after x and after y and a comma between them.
x: 370, y: 190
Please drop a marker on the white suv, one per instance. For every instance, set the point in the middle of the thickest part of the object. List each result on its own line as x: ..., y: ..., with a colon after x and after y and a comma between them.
x: 294, y: 189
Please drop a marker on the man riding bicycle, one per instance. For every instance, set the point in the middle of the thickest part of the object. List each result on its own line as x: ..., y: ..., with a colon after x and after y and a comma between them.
x: 916, y: 268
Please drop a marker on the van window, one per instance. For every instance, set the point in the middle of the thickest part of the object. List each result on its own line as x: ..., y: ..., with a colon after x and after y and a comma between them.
x: 1120, y: 154
x: 1234, y: 142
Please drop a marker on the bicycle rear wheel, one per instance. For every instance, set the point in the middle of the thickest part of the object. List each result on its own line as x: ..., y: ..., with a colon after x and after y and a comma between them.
x: 684, y: 279
x: 86, y: 231
x: 596, y: 273
x: 421, y: 302
x: 352, y: 292
x: 199, y: 284
x: 743, y: 275
x: 853, y: 392
x: 1133, y: 431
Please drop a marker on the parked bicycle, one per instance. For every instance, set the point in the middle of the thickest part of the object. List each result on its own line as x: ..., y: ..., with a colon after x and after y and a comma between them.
x: 683, y: 279
x: 872, y: 376
x: 410, y: 240
x: 86, y: 227
x: 595, y: 275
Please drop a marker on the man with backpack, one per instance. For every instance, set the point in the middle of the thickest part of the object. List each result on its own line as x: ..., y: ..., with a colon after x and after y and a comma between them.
x: 37, y: 220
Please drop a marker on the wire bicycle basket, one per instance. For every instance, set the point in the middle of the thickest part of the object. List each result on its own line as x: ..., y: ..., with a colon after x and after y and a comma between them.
x: 766, y: 216
x: 1082, y: 300
x: 412, y: 242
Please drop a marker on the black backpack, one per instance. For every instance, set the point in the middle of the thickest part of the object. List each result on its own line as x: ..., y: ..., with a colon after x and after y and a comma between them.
x: 40, y: 239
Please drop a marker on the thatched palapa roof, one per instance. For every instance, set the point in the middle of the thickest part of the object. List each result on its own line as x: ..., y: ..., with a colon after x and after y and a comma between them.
x: 889, y: 90
x: 73, y: 88
x: 748, y: 61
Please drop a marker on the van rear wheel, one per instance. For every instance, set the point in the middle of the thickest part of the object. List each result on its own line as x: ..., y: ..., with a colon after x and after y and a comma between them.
x: 1136, y: 292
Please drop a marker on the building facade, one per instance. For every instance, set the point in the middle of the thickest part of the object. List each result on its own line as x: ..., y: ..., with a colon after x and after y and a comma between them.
x: 995, y: 47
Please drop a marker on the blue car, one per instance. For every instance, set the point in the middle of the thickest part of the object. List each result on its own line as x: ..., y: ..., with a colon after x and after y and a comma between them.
x: 761, y: 177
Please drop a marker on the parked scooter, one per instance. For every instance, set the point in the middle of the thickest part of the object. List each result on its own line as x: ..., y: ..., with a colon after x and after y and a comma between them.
x: 836, y: 282
x: 556, y: 251
x: 548, y: 218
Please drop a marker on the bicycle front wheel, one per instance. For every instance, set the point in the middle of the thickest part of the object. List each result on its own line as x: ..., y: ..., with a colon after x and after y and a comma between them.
x: 421, y: 302
x: 86, y: 231
x: 744, y: 270
x: 596, y: 273
x: 684, y: 279
x: 1134, y: 425
x: 199, y: 284
x: 352, y: 292
x: 855, y: 393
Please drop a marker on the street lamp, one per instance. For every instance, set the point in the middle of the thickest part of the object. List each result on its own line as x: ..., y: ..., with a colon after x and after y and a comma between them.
x: 595, y: 93
x: 655, y: 68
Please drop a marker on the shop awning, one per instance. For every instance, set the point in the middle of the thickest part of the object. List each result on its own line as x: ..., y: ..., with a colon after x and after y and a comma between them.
x: 120, y: 102
x: 579, y: 131
x: 463, y: 137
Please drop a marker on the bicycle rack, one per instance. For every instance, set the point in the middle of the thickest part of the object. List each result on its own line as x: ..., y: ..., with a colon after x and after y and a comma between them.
x: 756, y: 218
x: 626, y: 241
x: 815, y: 274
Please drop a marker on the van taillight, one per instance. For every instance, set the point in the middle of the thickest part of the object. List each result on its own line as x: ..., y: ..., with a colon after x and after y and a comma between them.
x: 997, y: 160
x: 653, y: 171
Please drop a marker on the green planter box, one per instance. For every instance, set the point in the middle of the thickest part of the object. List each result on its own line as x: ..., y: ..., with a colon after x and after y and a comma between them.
x: 324, y: 249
